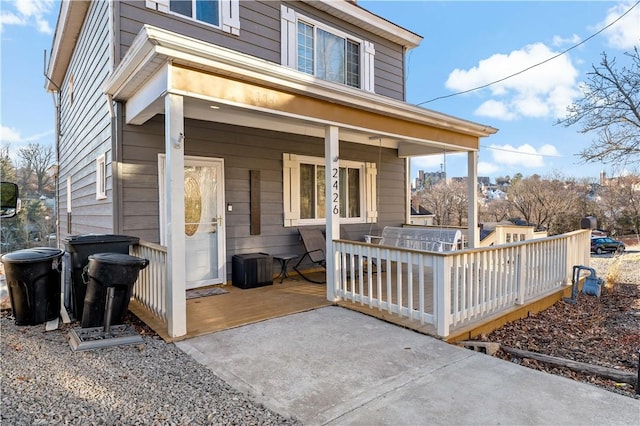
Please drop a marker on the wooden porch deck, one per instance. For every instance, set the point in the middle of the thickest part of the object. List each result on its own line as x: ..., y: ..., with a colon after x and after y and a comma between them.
x: 240, y: 307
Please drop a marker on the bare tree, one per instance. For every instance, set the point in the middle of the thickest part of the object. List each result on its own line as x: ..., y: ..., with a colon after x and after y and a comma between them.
x: 7, y: 169
x: 496, y: 211
x: 620, y: 200
x: 610, y: 108
x: 459, y: 203
x: 447, y: 201
x: 36, y: 160
x: 555, y: 204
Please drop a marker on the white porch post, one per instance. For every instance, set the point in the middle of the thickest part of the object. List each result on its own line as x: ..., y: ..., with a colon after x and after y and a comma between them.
x: 174, y: 214
x: 442, y: 295
x: 472, y: 185
x: 407, y: 190
x: 332, y: 191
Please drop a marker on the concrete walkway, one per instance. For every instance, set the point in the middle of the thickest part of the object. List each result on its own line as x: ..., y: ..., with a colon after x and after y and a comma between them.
x: 335, y: 366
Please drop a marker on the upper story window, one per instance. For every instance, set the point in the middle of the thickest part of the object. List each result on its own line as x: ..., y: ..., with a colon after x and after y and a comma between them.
x: 325, y: 52
x: 219, y: 13
x: 327, y: 55
x: 200, y: 10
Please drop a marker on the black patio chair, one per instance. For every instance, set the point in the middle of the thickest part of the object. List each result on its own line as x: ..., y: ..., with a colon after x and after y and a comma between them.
x: 315, y: 245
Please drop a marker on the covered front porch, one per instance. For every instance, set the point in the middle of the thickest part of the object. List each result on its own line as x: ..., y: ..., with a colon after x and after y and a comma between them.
x: 183, y: 81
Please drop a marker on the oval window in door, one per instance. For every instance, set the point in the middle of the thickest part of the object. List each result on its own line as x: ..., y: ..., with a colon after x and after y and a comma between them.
x: 192, y: 205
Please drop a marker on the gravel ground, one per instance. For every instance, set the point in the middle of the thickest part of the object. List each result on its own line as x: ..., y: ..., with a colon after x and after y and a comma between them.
x: 44, y: 382
x: 624, y: 268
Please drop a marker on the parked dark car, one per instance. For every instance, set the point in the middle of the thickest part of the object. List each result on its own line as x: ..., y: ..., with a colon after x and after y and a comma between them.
x: 600, y: 245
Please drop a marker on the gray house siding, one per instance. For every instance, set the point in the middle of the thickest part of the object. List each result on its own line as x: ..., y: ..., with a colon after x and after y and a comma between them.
x: 85, y: 128
x: 259, y: 28
x: 252, y: 149
x: 260, y: 36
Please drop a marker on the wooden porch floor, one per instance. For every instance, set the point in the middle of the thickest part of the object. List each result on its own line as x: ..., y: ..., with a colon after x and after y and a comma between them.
x: 241, y: 307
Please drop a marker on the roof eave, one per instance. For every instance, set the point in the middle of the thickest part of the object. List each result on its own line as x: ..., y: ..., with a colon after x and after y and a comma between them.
x: 68, y: 27
x: 361, y: 17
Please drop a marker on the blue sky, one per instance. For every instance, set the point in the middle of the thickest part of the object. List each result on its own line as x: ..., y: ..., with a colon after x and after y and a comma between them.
x: 466, y: 44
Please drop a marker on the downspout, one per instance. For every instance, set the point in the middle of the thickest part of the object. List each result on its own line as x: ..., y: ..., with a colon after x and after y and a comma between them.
x: 115, y: 169
x: 115, y: 109
x: 56, y: 105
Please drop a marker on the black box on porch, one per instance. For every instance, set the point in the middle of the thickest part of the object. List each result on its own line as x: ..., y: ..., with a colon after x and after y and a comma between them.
x: 252, y: 270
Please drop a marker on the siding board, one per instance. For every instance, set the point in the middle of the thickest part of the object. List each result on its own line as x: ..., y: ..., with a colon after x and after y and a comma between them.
x: 85, y: 127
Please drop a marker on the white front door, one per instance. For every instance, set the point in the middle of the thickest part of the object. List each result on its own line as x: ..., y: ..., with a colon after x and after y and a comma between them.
x: 204, y: 220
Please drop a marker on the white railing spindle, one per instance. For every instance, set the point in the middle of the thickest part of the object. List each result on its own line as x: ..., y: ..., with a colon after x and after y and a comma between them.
x: 149, y: 289
x: 454, y: 288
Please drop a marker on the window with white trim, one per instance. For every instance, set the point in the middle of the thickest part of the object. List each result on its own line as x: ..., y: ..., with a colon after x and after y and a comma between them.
x: 304, y: 184
x: 224, y: 14
x: 101, y: 177
x: 325, y: 52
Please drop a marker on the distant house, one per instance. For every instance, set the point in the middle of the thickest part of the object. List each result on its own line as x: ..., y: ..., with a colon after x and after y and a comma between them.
x: 495, y: 194
x: 505, y: 232
x: 420, y: 215
x: 214, y: 131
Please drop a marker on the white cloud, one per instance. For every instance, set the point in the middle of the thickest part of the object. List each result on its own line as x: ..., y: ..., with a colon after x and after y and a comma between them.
x: 565, y: 41
x: 428, y: 163
x: 43, y: 26
x: 27, y: 12
x: 486, y: 169
x: 522, y: 156
x: 544, y: 90
x: 8, y: 135
x: 624, y: 34
x: 14, y: 140
x: 495, y: 109
x: 9, y: 18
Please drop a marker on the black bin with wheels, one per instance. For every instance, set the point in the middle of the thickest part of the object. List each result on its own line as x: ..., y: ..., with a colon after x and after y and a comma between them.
x: 33, y: 281
x: 105, y: 270
x: 80, y: 247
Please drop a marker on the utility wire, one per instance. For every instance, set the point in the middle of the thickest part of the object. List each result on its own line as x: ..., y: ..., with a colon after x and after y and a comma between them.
x: 522, y: 153
x: 532, y: 66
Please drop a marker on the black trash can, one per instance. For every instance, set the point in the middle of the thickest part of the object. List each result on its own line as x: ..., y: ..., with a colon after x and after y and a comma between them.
x: 105, y: 270
x: 33, y: 281
x: 80, y: 247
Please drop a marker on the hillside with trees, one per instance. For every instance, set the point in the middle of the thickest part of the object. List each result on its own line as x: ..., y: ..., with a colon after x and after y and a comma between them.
x: 34, y: 172
x: 553, y: 203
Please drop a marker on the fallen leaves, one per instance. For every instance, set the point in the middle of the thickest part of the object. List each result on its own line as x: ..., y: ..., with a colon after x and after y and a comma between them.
x: 602, y: 331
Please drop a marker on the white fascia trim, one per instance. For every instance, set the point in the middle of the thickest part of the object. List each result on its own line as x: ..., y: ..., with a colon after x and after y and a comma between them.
x: 151, y: 92
x: 363, y: 18
x: 155, y: 45
x: 141, y: 53
x: 70, y: 21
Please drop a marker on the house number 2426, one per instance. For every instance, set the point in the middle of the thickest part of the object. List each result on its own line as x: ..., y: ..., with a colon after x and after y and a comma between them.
x: 335, y: 194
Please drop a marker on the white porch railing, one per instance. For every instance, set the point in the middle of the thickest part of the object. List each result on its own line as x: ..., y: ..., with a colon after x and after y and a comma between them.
x: 451, y: 289
x: 149, y: 289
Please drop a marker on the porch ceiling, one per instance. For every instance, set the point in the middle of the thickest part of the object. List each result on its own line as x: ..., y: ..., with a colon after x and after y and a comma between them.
x: 224, y: 86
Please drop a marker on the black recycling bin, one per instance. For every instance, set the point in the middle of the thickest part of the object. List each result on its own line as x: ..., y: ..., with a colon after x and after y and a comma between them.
x: 80, y: 247
x: 105, y: 270
x: 33, y: 281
